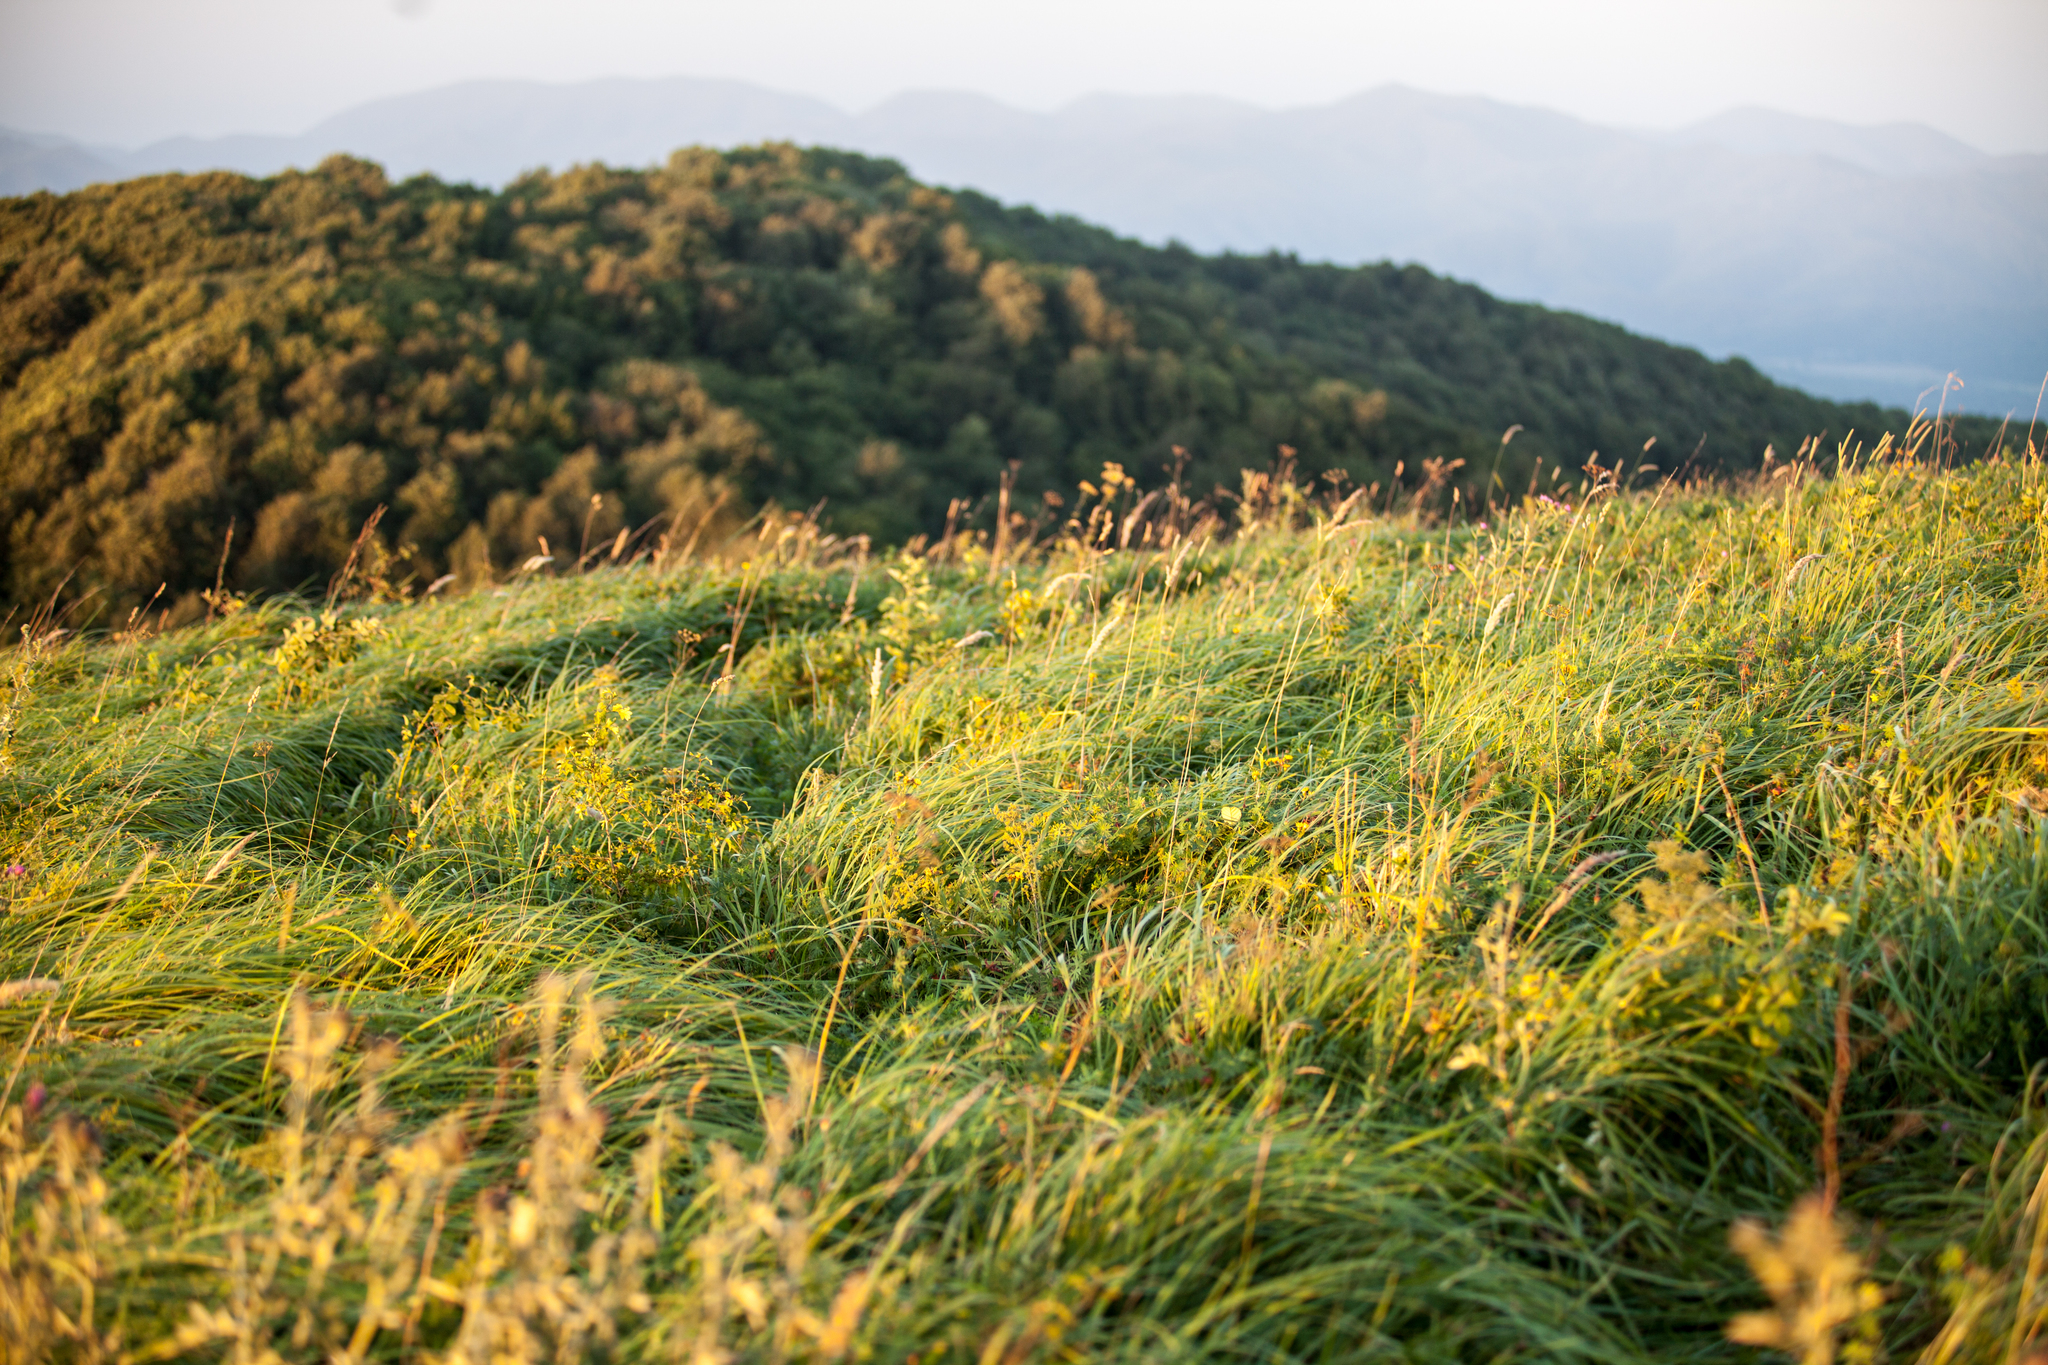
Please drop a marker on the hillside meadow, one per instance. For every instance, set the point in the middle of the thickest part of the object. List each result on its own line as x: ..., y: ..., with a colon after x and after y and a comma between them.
x: 1608, y: 931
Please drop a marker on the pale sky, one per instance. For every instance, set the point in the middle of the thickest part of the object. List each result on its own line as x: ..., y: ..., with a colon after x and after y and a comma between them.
x: 131, y: 71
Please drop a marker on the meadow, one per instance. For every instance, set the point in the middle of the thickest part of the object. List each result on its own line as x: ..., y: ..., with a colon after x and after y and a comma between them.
x: 1608, y: 929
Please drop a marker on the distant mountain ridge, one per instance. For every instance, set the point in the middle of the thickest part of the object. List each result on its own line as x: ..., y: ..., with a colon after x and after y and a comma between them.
x: 1854, y: 262
x: 1905, y: 149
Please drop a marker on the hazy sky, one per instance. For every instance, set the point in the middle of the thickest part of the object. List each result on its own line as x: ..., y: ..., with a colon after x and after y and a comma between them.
x: 130, y: 71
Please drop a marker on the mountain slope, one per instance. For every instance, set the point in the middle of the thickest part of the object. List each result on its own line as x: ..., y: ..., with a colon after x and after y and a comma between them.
x: 213, y: 374
x: 1861, y: 262
x: 1822, y: 271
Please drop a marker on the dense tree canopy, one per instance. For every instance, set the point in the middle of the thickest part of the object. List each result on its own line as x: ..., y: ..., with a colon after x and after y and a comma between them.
x: 595, y: 351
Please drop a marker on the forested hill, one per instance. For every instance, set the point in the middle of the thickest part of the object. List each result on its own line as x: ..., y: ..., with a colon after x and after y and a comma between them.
x: 599, y: 350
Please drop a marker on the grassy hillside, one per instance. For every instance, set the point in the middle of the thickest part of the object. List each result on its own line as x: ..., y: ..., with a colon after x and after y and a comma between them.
x: 1359, y: 939
x: 215, y: 378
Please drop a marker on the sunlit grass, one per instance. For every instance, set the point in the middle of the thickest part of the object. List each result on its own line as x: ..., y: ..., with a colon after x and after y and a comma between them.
x: 1356, y: 937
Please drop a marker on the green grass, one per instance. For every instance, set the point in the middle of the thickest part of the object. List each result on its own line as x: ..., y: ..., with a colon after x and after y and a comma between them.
x: 1353, y: 939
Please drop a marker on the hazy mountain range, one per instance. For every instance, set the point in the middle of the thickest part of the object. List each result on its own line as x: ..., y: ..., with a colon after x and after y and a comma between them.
x: 1856, y: 262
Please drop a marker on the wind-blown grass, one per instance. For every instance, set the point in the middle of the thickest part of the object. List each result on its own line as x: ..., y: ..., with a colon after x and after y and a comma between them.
x: 1356, y: 939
